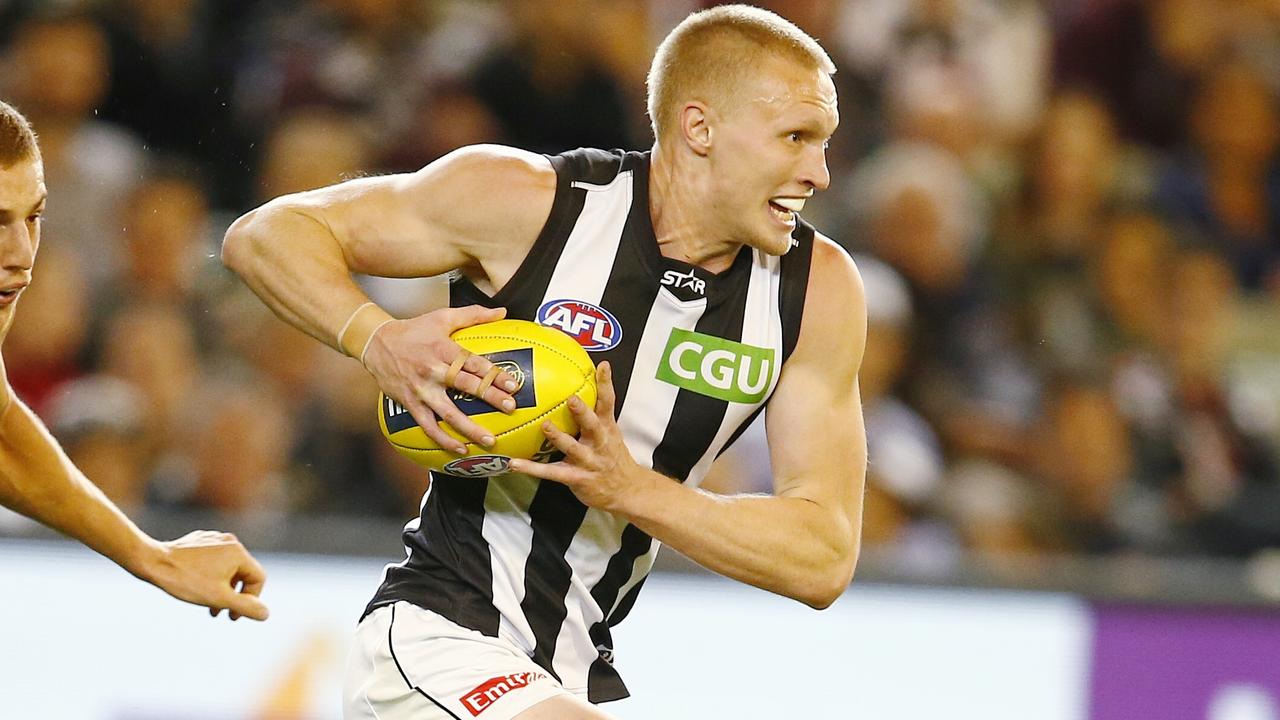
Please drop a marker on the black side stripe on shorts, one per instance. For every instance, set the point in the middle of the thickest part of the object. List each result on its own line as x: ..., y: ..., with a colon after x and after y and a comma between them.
x: 392, y: 647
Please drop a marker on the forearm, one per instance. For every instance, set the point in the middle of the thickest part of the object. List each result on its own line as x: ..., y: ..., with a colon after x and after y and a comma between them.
x: 788, y: 545
x: 290, y: 259
x: 38, y: 480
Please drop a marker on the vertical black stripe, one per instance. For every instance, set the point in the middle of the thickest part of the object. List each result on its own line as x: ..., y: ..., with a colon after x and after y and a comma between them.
x: 602, y: 679
x: 556, y: 516
x: 631, y: 290
x: 449, y: 570
x: 791, y: 295
x: 795, y: 284
x: 685, y: 442
x: 628, y: 601
x: 526, y: 286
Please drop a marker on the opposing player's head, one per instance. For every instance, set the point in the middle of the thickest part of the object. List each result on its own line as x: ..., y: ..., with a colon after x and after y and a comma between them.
x: 748, y: 97
x: 22, y: 194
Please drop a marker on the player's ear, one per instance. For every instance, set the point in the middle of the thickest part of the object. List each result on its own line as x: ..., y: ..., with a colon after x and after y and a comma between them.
x: 695, y: 126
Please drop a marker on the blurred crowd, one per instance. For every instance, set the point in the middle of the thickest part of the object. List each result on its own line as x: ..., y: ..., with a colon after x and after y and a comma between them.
x: 1066, y: 214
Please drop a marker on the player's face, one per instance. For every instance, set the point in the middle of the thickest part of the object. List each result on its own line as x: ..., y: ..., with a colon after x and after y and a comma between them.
x: 770, y: 154
x: 22, y: 198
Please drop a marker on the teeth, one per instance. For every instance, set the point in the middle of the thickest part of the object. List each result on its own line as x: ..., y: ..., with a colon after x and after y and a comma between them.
x: 792, y: 204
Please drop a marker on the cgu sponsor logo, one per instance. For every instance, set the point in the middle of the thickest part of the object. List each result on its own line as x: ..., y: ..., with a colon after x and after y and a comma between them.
x: 595, y: 328
x: 478, y: 466
x: 679, y: 280
x: 488, y: 692
x: 715, y: 367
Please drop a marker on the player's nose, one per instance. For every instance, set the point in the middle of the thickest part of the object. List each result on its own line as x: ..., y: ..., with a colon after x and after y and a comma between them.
x: 17, y: 247
x: 814, y: 172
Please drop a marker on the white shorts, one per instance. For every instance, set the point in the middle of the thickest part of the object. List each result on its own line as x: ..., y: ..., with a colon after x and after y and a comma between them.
x: 412, y: 664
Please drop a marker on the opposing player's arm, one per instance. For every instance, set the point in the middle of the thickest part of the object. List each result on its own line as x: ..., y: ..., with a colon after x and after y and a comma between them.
x: 801, y: 542
x: 479, y: 209
x: 39, y: 481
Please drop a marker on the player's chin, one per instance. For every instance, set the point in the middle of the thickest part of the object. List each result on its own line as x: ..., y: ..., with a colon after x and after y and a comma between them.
x: 773, y: 241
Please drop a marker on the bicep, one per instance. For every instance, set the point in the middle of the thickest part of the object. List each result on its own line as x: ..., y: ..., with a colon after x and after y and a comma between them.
x: 817, y: 439
x: 460, y: 210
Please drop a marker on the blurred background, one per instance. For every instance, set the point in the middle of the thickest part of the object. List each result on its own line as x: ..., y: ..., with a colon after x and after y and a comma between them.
x: 1066, y: 214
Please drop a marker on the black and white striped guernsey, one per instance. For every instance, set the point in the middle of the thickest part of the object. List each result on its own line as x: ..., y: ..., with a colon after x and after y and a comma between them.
x: 694, y: 356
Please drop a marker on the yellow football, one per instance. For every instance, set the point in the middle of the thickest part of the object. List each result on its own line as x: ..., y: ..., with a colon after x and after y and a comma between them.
x: 549, y: 365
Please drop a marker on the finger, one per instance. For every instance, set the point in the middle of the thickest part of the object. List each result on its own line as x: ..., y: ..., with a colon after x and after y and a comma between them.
x: 555, y: 472
x: 481, y: 366
x: 425, y: 418
x: 460, y: 357
x: 475, y: 385
x: 458, y: 318
x: 458, y: 420
x: 437, y: 434
x: 605, y: 396
x: 588, y: 422
x: 566, y: 443
x: 251, y: 575
x: 246, y: 605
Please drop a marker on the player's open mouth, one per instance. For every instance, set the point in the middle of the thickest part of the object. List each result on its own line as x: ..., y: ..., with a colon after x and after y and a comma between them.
x: 10, y: 293
x: 785, y: 208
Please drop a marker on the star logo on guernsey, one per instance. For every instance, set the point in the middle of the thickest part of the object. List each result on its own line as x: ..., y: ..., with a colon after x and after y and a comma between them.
x: 678, y: 280
x: 595, y: 328
x: 716, y: 367
x: 488, y: 692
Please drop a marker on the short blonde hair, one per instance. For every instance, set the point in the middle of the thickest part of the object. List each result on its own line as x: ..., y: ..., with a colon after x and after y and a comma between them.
x: 714, y: 51
x: 17, y: 139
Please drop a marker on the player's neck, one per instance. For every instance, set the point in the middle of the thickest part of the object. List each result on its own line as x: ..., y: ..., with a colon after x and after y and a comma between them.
x: 677, y: 208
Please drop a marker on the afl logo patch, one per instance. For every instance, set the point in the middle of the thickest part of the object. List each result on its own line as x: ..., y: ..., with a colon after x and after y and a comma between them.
x: 479, y: 466
x: 595, y: 328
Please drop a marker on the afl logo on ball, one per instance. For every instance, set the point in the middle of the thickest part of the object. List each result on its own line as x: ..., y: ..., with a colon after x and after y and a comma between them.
x: 479, y: 466
x: 595, y: 328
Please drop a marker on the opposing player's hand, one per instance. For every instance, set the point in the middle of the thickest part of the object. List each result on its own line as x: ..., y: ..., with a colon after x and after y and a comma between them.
x: 212, y: 569
x: 597, y: 465
x: 416, y: 363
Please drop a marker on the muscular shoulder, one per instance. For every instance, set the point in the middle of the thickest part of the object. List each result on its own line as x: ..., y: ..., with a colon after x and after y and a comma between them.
x: 477, y: 165
x: 494, y: 190
x: 834, y: 324
x: 493, y: 177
